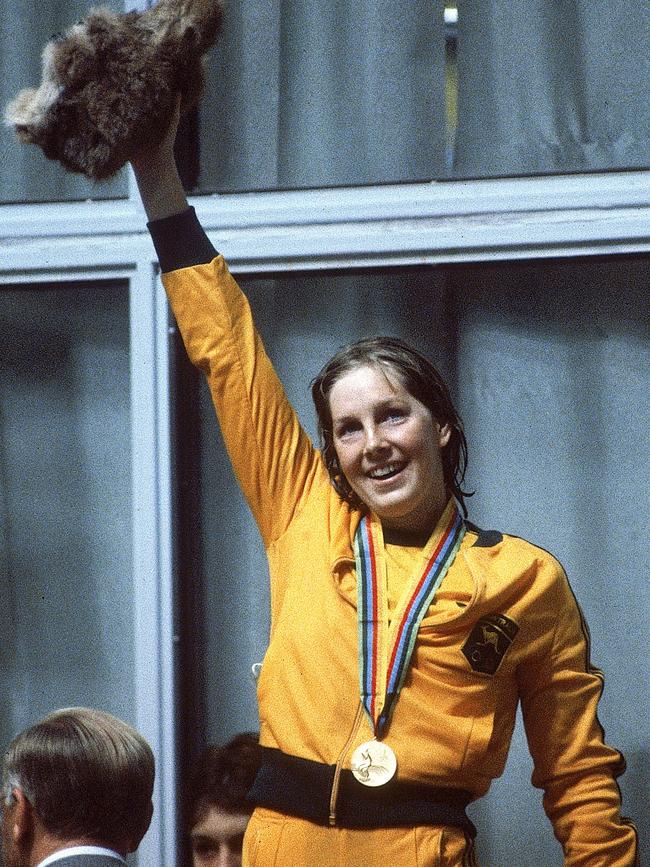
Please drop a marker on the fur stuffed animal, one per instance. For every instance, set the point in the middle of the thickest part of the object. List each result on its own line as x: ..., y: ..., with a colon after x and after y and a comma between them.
x: 110, y: 83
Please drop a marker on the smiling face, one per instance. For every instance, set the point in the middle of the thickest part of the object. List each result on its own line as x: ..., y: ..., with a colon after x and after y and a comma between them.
x: 388, y: 447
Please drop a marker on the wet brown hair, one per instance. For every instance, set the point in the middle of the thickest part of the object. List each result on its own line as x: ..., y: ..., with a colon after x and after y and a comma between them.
x: 422, y: 381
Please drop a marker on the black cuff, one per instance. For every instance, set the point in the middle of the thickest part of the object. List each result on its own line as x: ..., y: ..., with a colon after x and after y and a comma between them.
x: 180, y: 241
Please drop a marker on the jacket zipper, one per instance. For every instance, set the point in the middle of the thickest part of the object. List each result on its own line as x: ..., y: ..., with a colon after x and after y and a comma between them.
x: 339, y: 764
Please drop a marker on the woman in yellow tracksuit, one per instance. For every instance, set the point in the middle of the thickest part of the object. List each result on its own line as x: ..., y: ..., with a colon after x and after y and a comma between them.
x: 402, y: 637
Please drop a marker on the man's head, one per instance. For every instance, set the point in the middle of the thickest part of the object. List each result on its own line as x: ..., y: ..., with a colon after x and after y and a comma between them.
x: 79, y: 776
x: 218, y: 809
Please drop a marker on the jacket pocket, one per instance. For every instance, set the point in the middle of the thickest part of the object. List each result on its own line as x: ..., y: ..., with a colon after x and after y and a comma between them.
x: 262, y: 839
x: 478, y: 740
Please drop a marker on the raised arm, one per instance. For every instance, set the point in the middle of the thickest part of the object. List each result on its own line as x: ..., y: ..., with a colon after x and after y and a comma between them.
x: 271, y: 454
x: 158, y: 180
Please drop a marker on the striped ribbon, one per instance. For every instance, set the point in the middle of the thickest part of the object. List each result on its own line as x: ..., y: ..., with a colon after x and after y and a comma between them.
x: 385, y: 654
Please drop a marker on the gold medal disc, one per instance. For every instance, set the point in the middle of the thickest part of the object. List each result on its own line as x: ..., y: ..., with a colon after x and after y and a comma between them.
x: 373, y: 763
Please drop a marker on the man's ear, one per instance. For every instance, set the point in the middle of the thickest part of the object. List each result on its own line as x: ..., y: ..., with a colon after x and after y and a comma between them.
x: 22, y: 820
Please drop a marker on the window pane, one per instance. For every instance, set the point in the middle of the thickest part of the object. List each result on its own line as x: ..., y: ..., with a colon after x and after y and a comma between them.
x: 549, y: 364
x: 27, y: 176
x: 552, y: 87
x: 373, y: 92
x: 66, y: 595
x: 307, y: 95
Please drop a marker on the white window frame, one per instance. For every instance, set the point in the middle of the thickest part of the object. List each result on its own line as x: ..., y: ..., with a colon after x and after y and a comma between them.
x: 393, y: 224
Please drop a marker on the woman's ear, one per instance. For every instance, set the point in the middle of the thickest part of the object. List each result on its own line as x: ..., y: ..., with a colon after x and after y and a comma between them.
x: 444, y: 435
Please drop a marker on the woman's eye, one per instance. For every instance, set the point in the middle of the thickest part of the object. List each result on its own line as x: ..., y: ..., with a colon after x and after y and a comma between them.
x: 346, y: 430
x: 395, y: 414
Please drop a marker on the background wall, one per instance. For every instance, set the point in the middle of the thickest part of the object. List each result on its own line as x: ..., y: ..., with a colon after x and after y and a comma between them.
x: 66, y: 591
x: 549, y: 362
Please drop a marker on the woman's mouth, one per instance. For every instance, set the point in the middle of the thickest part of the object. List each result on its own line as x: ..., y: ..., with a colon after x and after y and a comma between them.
x: 387, y: 471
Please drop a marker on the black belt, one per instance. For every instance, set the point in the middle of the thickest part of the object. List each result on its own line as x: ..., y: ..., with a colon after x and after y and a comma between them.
x: 302, y: 788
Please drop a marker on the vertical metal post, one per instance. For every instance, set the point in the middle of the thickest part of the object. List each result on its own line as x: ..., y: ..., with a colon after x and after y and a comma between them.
x: 152, y: 555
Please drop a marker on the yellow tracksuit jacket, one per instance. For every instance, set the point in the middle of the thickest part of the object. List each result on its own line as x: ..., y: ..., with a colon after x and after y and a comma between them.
x: 504, y: 626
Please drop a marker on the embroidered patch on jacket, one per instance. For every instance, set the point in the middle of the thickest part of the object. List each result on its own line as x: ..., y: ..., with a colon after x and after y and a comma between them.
x: 488, y: 642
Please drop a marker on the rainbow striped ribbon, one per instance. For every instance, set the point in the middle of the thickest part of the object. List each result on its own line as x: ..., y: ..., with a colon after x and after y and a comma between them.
x: 384, y: 655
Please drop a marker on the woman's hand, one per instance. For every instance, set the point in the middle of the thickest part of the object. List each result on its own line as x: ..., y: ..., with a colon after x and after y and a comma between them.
x: 155, y: 171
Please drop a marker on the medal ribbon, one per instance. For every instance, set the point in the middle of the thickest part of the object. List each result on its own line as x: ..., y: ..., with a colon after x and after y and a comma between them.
x: 384, y: 655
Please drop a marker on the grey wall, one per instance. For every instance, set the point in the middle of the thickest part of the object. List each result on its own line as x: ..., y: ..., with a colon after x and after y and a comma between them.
x: 551, y: 87
x: 550, y: 364
x: 66, y: 607
x: 303, y: 94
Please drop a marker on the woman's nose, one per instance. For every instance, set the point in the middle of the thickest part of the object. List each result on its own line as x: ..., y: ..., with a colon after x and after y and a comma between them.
x: 375, y: 441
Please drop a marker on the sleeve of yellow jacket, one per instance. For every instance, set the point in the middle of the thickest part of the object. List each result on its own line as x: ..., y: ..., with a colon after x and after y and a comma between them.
x: 559, y: 691
x: 272, y: 456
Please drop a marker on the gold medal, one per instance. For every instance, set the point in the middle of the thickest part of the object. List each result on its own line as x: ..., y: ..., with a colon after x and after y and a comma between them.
x: 373, y: 763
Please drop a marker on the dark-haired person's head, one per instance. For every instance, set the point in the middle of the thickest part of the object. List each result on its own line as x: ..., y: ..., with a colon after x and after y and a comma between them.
x: 218, y: 807
x: 78, y: 778
x: 396, y: 380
